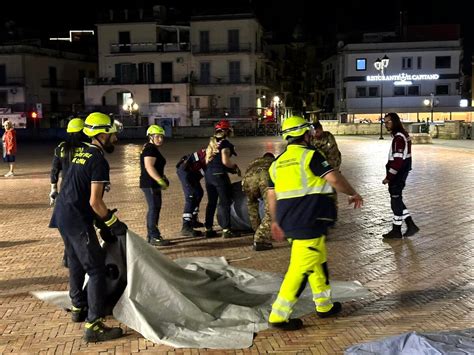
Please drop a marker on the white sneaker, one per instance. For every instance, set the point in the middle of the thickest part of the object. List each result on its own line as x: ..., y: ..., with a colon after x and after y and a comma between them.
x: 9, y: 174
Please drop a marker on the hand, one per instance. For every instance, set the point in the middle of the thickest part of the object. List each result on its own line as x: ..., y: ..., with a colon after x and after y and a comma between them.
x: 277, y: 233
x: 53, y: 194
x: 356, y: 200
x: 164, y: 184
x: 115, y: 226
x: 385, y: 181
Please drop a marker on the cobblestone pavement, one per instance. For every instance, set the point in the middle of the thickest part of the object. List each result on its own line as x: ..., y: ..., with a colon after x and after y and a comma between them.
x: 423, y: 283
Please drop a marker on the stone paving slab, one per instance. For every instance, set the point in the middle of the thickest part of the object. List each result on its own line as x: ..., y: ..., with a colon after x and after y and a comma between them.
x: 423, y: 283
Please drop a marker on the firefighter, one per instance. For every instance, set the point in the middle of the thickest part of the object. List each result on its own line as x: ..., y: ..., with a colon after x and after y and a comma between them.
x: 190, y: 170
x: 153, y: 181
x: 63, y: 154
x: 79, y: 205
x: 255, y: 185
x: 398, y: 167
x: 301, y: 207
x: 219, y: 162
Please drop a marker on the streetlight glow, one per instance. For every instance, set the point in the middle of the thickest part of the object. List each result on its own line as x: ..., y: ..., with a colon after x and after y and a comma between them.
x: 380, y: 65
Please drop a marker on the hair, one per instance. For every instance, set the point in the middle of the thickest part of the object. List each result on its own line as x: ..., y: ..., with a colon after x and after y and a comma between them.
x: 397, y: 125
x: 74, y: 140
x: 213, y: 146
x: 269, y: 155
x: 317, y: 125
x: 7, y: 124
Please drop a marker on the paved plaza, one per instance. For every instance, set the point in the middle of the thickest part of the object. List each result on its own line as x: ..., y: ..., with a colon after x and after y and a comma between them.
x: 423, y: 283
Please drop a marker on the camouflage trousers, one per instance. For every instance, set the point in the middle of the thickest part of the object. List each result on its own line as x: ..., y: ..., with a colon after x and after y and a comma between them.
x: 255, y: 192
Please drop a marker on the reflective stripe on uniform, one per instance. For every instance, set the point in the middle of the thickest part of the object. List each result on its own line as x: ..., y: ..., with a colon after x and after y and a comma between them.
x: 397, y: 220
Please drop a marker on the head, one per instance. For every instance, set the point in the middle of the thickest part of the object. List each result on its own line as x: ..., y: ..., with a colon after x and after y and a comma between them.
x: 156, y: 135
x: 75, y: 131
x: 102, y: 130
x: 393, y: 123
x: 317, y: 130
x: 7, y: 125
x: 223, y: 129
x: 269, y: 155
x: 296, y: 130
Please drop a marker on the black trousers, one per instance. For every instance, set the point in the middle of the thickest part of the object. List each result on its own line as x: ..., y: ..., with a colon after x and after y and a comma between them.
x: 193, y: 192
x: 218, y: 188
x: 395, y: 188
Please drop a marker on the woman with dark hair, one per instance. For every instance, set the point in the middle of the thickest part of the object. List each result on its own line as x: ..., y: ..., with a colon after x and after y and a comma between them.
x: 398, y: 167
x: 218, y: 185
x: 63, y: 155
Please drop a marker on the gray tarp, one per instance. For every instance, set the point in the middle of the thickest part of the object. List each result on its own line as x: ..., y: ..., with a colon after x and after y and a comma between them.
x: 199, y: 302
x: 454, y: 342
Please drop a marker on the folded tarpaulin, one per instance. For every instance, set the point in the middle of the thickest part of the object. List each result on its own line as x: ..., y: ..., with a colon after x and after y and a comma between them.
x: 200, y: 302
x: 448, y: 342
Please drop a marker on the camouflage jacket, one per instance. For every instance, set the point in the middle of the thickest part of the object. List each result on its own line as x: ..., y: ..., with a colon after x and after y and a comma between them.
x: 257, y: 173
x: 327, y: 144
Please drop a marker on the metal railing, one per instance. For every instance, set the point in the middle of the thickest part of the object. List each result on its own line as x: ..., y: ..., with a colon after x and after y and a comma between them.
x: 60, y: 84
x: 149, y: 47
x: 13, y: 81
x: 224, y: 80
x: 116, y: 81
x: 222, y: 48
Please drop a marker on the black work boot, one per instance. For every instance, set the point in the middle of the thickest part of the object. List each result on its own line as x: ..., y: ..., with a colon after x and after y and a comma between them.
x: 158, y: 242
x: 290, y: 324
x: 261, y: 246
x: 395, y: 233
x: 78, y: 314
x: 211, y: 233
x: 188, y: 231
x: 98, y: 331
x: 336, y: 308
x: 229, y: 233
x: 196, y: 223
x: 412, y: 228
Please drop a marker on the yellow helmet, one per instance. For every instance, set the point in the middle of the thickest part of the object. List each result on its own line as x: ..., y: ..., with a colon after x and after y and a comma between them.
x: 155, y: 129
x: 294, y: 126
x: 98, y: 122
x: 75, y: 125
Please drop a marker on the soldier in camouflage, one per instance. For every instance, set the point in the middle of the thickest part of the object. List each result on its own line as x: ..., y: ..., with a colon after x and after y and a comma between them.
x: 326, y: 143
x: 255, y: 184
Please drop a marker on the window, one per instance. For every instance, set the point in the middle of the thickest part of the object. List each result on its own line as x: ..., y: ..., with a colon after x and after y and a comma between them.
x: 125, y: 73
x: 407, y: 63
x: 160, y: 95
x: 3, y: 74
x: 235, y: 106
x: 418, y: 63
x: 361, y: 64
x: 146, y: 73
x: 443, y: 62
x: 3, y: 98
x: 399, y: 91
x: 205, y: 73
x: 204, y: 41
x: 413, y: 90
x: 373, y: 91
x: 234, y: 72
x: 124, y: 41
x: 361, y: 91
x: 233, y: 40
x: 442, y: 89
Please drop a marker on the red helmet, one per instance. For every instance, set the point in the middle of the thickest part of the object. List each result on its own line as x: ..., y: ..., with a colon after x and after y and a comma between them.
x: 222, y: 124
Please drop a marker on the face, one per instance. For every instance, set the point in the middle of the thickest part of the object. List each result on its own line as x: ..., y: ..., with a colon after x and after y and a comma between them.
x: 108, y: 141
x: 317, y: 133
x: 157, y: 139
x: 388, y: 123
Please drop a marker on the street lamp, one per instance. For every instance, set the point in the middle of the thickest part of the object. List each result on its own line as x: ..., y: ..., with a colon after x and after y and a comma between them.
x: 380, y: 65
x: 276, y: 104
x: 132, y: 107
x: 432, y: 102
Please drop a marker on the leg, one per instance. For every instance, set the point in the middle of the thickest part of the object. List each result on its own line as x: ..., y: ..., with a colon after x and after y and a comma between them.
x: 153, y: 199
x: 188, y: 196
x: 224, y: 190
x: 212, y: 197
x: 263, y: 233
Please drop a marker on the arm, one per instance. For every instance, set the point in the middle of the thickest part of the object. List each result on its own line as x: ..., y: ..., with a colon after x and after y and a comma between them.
x: 277, y: 232
x: 339, y: 182
x: 150, y: 168
x: 395, y: 164
x: 96, y: 201
x: 226, y: 160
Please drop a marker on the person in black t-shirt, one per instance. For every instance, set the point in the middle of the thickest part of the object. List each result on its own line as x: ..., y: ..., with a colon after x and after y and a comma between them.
x: 78, y: 207
x: 218, y: 185
x: 153, y: 181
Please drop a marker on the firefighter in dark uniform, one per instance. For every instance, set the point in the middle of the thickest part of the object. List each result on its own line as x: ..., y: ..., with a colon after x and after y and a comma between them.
x: 190, y: 170
x: 63, y: 155
x: 79, y: 205
x: 398, y: 167
x: 301, y: 206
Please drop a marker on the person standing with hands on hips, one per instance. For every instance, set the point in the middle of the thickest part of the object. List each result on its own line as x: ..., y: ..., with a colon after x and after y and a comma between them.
x: 153, y: 181
x: 398, y: 167
x: 301, y: 205
x: 78, y: 207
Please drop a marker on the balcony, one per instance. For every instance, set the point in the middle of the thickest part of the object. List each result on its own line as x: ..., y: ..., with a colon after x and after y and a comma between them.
x: 12, y: 81
x: 56, y: 84
x: 143, y: 47
x: 131, y: 81
x: 225, y: 80
x: 222, y: 48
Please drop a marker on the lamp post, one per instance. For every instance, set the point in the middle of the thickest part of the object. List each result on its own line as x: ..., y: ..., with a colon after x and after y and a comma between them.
x: 276, y: 105
x: 432, y: 102
x: 132, y: 107
x: 380, y: 65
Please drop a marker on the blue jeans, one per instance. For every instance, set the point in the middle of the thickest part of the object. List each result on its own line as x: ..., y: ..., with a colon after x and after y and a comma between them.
x: 218, y: 188
x: 85, y: 255
x: 193, y: 193
x: 153, y: 199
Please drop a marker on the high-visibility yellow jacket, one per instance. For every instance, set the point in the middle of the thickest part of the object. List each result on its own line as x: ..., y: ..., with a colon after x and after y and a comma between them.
x: 305, y: 200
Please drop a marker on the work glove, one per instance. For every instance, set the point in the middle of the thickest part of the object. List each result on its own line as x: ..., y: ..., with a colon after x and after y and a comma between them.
x: 236, y: 170
x: 104, y: 231
x: 115, y: 226
x: 53, y: 194
x: 163, y: 182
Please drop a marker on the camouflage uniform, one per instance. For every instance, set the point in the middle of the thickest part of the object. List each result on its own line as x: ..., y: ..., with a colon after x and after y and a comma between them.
x: 327, y: 144
x: 255, y: 185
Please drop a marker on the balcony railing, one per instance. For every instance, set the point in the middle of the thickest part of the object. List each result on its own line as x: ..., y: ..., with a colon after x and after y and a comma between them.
x: 149, y: 47
x: 222, y: 48
x: 13, y: 81
x: 60, y: 84
x: 124, y: 81
x: 224, y: 80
